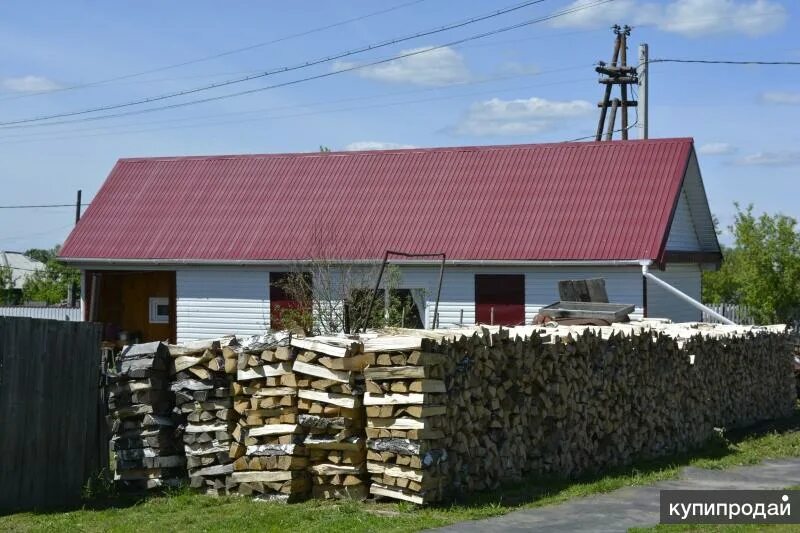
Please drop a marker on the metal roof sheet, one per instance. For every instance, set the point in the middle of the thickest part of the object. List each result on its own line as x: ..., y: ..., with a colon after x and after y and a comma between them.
x: 22, y: 267
x: 566, y: 201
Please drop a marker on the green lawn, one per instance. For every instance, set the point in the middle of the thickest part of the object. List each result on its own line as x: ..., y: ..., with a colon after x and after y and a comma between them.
x: 185, y: 511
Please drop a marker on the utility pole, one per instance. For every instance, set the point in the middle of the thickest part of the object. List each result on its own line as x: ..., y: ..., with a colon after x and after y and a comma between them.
x: 78, y: 207
x: 72, y: 290
x: 644, y: 74
x: 616, y: 73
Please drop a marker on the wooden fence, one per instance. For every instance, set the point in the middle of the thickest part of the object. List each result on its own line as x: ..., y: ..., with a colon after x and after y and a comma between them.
x: 738, y: 313
x: 53, y: 437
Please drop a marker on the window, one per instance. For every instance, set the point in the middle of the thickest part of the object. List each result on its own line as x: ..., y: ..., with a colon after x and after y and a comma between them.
x: 159, y: 310
x: 402, y: 309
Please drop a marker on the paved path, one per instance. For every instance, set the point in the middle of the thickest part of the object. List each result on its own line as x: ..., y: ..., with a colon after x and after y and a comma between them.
x: 634, y: 506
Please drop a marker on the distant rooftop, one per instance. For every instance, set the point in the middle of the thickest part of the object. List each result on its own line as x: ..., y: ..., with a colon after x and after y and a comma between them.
x: 22, y: 266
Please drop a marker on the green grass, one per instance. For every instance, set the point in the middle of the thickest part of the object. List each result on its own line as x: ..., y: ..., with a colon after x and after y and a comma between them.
x: 183, y: 510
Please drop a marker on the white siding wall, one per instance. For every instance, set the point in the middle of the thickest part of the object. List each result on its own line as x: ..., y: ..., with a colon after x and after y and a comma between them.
x: 660, y: 303
x: 214, y: 302
x: 682, y: 235
x: 624, y: 284
x: 211, y: 303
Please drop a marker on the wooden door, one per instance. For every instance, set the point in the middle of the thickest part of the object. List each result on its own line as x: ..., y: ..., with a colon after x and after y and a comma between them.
x: 500, y: 299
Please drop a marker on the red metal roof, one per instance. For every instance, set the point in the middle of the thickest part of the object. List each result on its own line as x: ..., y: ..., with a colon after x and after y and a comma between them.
x: 566, y: 201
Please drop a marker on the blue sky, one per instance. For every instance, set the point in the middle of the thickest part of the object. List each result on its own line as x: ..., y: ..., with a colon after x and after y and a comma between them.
x: 529, y: 85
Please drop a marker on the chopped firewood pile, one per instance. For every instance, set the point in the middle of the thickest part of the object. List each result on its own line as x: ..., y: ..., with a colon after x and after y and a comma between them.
x: 420, y: 416
x: 147, y: 450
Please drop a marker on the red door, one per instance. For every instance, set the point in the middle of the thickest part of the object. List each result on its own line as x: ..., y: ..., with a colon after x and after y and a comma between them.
x: 280, y: 300
x: 500, y: 299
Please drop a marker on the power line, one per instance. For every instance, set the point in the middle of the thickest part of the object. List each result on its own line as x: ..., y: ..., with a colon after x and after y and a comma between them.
x: 320, y: 76
x: 292, y: 115
x: 635, y: 123
x: 111, y: 129
x: 724, y: 62
x: 220, y: 54
x: 281, y: 70
x: 39, y: 206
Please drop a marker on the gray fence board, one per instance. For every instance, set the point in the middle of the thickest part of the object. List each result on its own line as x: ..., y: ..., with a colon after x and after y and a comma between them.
x: 51, y: 313
x: 49, y: 411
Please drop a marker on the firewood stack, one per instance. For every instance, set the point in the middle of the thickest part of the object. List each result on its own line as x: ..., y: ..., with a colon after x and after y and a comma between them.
x: 147, y: 450
x: 331, y: 412
x: 405, y: 404
x: 204, y: 372
x: 269, y: 459
x: 526, y: 402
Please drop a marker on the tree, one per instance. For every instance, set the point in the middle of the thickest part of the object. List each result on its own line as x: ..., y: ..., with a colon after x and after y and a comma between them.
x: 42, y: 255
x: 7, y: 293
x: 762, y: 270
x: 50, y: 285
x: 332, y: 298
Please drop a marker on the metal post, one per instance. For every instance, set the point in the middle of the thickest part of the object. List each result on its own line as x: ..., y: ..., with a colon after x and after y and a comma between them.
x: 644, y: 74
x: 438, y: 294
x: 644, y: 296
x: 72, y: 290
x: 374, y: 293
x: 491, y: 317
x: 78, y: 207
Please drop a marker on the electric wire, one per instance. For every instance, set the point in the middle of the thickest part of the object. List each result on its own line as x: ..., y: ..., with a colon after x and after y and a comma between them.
x: 36, y: 206
x: 280, y: 70
x: 19, y: 124
x: 726, y: 62
x: 292, y: 115
x: 124, y: 128
x: 220, y: 54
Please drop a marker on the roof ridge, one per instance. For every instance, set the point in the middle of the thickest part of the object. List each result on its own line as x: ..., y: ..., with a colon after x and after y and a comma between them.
x: 403, y: 151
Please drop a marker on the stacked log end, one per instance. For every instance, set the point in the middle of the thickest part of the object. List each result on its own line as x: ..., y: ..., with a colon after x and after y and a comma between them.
x: 270, y: 462
x: 147, y: 450
x: 332, y: 415
x: 204, y: 372
x: 405, y: 409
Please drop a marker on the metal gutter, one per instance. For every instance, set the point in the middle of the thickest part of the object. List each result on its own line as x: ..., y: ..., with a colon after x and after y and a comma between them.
x: 106, y: 263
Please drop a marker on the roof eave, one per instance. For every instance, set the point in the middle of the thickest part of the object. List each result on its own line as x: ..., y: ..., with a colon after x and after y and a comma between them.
x: 104, y: 263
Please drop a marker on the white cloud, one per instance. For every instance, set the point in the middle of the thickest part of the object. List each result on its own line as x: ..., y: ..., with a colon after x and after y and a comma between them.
x: 29, y: 84
x: 513, y: 68
x: 607, y: 14
x: 375, y: 145
x: 781, y: 98
x: 781, y: 158
x: 519, y: 117
x: 440, y: 66
x: 693, y: 18
x: 716, y: 149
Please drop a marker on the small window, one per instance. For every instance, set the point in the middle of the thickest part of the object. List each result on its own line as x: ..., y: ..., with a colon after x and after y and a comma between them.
x: 159, y: 310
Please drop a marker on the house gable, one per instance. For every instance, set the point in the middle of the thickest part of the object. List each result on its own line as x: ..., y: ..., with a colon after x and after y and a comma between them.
x: 692, y: 236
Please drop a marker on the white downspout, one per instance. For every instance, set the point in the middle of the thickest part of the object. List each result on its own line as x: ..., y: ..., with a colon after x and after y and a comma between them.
x: 683, y: 296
